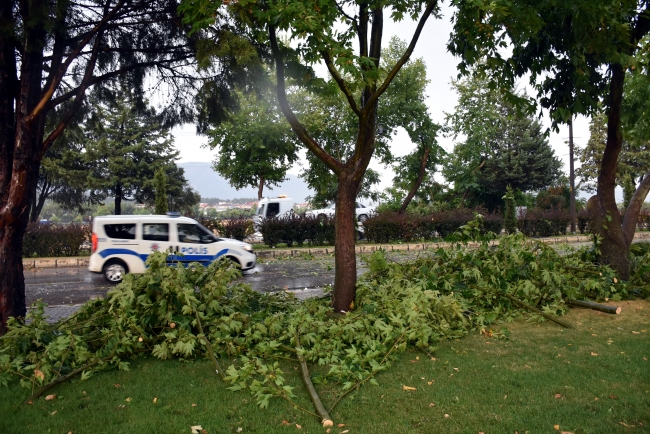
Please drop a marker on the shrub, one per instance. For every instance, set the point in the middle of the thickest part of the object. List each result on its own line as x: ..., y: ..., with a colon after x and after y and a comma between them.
x: 55, y: 240
x: 296, y: 229
x: 540, y: 223
x: 235, y: 227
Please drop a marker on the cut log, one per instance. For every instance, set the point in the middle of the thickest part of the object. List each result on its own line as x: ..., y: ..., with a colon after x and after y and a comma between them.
x: 596, y: 306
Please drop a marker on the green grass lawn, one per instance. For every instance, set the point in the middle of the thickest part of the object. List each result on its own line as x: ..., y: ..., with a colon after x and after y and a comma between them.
x: 591, y: 379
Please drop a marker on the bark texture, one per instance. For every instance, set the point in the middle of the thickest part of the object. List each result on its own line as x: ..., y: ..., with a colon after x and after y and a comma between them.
x: 418, y: 181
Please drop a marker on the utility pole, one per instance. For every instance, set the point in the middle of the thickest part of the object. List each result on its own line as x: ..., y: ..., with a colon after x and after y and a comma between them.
x: 572, y: 181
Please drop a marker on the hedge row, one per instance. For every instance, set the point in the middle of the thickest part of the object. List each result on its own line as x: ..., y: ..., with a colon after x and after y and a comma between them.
x: 540, y: 223
x: 391, y: 226
x: 55, y: 240
x: 238, y: 227
x: 298, y: 229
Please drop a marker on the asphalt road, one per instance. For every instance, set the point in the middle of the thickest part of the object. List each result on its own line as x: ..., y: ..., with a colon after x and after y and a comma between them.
x: 70, y: 286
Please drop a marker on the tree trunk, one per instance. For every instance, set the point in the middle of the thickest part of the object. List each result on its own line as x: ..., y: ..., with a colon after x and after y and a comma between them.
x: 118, y: 200
x: 418, y: 181
x: 615, y: 248
x: 345, y: 269
x: 572, y: 179
x: 260, y: 189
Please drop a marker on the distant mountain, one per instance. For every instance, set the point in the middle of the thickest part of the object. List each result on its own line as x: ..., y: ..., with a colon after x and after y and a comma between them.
x: 210, y: 184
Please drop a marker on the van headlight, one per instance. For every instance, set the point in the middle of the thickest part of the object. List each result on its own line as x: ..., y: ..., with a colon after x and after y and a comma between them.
x: 248, y: 248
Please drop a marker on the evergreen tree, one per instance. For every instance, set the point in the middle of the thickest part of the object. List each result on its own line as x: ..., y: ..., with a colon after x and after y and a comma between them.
x: 502, y: 146
x: 125, y: 144
x: 160, y: 179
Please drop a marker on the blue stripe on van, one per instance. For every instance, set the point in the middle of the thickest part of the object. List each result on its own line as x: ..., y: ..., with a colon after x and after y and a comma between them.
x: 185, y: 258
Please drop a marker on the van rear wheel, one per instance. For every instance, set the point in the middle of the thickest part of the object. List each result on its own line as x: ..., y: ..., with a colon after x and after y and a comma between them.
x: 114, y: 271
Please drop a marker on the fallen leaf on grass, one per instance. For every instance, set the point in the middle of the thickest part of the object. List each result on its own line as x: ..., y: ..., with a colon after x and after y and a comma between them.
x: 626, y: 425
x: 117, y: 385
x: 557, y: 396
x: 196, y: 429
x: 341, y: 425
x: 431, y: 382
x: 239, y: 429
x: 50, y: 397
x: 446, y: 415
x: 298, y: 426
x: 193, y: 405
x: 432, y: 405
x: 343, y: 432
x: 613, y: 396
x: 128, y: 399
x: 455, y: 369
x: 594, y: 354
x: 155, y: 400
x: 556, y: 427
x: 54, y: 412
x: 408, y: 388
x: 566, y: 432
x: 635, y: 332
x: 526, y: 366
x: 121, y: 406
x: 327, y: 423
x: 285, y: 422
x: 39, y: 374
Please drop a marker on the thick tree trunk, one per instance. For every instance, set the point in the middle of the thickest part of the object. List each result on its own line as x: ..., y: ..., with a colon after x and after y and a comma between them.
x: 345, y: 270
x: 615, y: 248
x: 418, y: 181
x: 260, y: 188
x: 118, y: 200
x: 572, y: 179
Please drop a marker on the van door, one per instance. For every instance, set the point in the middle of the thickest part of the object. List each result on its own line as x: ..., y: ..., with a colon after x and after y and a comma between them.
x: 196, y: 244
x: 155, y: 238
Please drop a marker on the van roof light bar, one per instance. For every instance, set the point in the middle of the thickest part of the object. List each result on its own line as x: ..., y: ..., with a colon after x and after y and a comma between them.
x: 173, y: 214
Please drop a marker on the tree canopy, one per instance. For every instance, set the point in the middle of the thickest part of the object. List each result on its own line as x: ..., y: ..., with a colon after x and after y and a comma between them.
x: 255, y: 146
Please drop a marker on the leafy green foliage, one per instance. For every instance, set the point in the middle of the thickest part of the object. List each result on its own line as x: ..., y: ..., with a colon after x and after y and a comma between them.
x: 398, y: 305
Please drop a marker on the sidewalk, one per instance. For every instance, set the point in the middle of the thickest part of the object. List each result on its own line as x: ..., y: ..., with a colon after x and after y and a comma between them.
x: 82, y: 261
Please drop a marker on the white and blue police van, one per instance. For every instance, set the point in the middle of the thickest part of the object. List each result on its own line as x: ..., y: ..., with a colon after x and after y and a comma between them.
x: 121, y: 244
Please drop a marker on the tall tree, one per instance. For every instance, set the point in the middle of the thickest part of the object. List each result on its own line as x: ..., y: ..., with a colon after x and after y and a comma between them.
x: 126, y: 145
x: 51, y: 52
x: 574, y: 52
x: 255, y: 146
x: 327, y: 32
x: 502, y: 146
x: 160, y: 180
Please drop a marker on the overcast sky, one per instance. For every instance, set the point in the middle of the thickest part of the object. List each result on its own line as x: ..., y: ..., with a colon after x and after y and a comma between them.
x: 441, y: 98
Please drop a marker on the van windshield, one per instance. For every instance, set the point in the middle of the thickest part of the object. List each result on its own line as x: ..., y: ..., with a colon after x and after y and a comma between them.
x: 195, y: 233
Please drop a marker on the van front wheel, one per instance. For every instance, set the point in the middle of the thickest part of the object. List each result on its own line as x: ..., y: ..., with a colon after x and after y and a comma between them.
x: 115, y: 270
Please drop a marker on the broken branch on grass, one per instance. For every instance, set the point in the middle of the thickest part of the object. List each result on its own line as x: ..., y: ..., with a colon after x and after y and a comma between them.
x: 326, y: 420
x: 545, y: 315
x: 597, y: 306
x: 208, y: 345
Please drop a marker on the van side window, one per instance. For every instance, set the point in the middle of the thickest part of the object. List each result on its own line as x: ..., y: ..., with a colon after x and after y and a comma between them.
x: 261, y: 210
x: 190, y: 233
x: 155, y: 231
x: 273, y: 210
x: 121, y: 231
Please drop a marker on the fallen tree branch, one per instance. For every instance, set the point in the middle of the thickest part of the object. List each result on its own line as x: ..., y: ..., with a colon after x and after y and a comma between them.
x: 326, y: 420
x: 59, y: 380
x: 596, y: 306
x: 209, y: 347
x: 545, y: 315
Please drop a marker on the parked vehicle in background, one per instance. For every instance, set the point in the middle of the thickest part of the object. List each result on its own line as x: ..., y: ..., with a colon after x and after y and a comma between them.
x: 121, y: 244
x: 272, y: 207
x: 362, y: 212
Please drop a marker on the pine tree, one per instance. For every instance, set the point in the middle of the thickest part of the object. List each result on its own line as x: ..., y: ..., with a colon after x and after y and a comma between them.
x: 160, y: 180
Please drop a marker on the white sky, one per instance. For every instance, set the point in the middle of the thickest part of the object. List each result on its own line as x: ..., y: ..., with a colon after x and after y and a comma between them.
x: 441, y: 98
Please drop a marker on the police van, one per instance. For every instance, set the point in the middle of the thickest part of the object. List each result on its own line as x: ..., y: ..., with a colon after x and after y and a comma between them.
x: 122, y: 243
